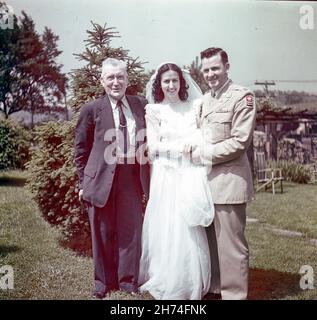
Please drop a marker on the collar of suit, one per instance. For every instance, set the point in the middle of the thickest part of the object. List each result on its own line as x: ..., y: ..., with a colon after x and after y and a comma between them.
x: 105, y: 113
x: 114, y: 102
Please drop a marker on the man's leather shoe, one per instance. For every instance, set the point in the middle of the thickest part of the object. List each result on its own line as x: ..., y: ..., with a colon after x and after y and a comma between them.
x: 212, y: 296
x: 99, y: 295
x: 135, y: 293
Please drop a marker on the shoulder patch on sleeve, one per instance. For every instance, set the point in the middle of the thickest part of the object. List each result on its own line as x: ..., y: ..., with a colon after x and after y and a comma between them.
x: 249, y: 100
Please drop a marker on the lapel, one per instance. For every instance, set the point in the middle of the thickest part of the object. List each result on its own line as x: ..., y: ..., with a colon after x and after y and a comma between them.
x: 134, y: 106
x: 105, y: 112
x: 209, y: 103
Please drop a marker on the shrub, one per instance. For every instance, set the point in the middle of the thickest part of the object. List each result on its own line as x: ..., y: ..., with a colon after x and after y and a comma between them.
x: 293, y: 150
x: 292, y: 171
x: 53, y: 179
x: 14, y: 145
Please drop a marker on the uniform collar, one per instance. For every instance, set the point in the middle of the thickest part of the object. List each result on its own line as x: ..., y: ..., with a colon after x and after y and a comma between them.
x: 222, y: 89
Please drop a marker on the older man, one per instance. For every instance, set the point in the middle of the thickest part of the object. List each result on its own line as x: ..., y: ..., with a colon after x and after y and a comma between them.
x: 112, y: 180
x: 227, y: 118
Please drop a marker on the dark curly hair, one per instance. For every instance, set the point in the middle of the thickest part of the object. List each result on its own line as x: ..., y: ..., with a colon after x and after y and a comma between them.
x: 157, y: 91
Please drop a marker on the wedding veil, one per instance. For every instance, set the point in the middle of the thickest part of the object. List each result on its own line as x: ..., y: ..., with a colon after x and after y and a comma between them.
x: 194, y: 92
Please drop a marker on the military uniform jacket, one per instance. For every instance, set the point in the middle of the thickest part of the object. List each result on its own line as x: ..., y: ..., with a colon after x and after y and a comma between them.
x: 227, y: 123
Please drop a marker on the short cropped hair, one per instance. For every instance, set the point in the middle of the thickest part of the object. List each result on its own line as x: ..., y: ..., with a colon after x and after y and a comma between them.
x: 214, y: 51
x: 114, y: 63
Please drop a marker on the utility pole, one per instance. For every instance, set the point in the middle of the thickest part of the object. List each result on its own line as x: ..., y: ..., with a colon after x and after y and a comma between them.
x: 266, y: 84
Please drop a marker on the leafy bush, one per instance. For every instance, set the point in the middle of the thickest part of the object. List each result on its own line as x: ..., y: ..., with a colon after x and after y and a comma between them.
x: 292, y: 171
x: 14, y: 145
x: 293, y: 150
x: 53, y: 179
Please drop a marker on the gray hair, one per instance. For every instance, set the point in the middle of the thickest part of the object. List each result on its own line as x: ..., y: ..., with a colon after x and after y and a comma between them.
x: 113, y: 63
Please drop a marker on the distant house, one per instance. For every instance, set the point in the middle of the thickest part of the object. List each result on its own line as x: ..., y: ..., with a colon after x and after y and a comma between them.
x: 25, y: 119
x: 289, y: 132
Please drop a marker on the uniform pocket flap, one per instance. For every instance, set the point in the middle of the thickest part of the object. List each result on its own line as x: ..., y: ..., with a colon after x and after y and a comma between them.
x: 220, y: 117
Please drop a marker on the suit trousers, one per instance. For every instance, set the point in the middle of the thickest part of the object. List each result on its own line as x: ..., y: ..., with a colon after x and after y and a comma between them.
x: 229, y: 252
x: 116, y: 232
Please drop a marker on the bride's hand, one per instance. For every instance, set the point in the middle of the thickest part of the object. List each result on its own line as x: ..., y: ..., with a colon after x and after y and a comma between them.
x: 193, y: 153
x: 189, y: 148
x: 195, y: 156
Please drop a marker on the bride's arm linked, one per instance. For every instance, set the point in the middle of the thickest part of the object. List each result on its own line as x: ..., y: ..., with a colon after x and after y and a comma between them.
x: 194, y: 147
x: 156, y: 143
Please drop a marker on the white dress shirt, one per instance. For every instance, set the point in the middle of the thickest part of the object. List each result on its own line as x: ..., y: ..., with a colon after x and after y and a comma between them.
x: 131, y: 126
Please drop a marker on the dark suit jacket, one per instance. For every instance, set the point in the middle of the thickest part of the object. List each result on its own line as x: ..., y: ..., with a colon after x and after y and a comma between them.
x: 95, y: 174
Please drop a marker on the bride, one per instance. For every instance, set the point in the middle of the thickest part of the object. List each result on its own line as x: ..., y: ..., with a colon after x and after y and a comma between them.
x: 175, y: 262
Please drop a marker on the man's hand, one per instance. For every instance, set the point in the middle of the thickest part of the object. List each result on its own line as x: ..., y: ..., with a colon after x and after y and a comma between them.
x: 80, y: 194
x: 195, y: 156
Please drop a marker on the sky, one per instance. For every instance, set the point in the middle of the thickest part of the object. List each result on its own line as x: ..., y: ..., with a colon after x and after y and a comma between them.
x: 265, y: 40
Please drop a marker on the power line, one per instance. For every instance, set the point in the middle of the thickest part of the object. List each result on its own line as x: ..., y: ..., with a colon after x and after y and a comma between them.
x: 299, y: 81
x: 266, y: 85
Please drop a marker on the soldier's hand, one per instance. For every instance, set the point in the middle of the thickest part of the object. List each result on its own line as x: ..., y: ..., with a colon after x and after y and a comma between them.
x: 195, y: 156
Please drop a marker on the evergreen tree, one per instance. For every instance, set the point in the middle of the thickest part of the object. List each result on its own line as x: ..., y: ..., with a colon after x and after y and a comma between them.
x: 8, y: 59
x: 85, y: 83
x: 30, y: 76
x: 196, y: 74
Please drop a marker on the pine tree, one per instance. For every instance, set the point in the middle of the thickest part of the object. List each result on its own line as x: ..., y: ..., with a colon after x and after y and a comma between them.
x: 196, y: 74
x: 85, y: 83
x: 8, y: 59
x: 30, y: 76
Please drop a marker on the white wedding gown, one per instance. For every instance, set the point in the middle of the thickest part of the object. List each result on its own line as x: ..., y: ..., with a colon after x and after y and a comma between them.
x: 175, y: 262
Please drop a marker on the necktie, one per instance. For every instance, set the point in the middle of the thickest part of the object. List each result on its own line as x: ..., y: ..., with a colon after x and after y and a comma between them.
x: 123, y: 127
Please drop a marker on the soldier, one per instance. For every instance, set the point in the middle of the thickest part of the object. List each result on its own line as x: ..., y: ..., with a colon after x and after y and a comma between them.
x: 227, y: 118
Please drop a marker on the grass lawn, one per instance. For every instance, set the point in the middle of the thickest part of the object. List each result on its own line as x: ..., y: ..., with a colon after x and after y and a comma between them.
x: 43, y: 269
x: 281, y: 241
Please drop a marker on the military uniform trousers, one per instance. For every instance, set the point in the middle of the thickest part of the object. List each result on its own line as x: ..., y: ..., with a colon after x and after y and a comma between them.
x: 229, y: 252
